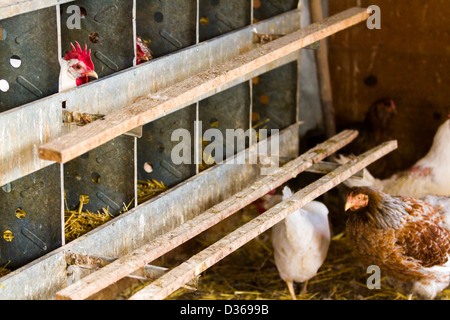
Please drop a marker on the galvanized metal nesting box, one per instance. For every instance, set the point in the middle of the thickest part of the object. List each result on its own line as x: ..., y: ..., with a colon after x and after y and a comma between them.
x: 210, y: 70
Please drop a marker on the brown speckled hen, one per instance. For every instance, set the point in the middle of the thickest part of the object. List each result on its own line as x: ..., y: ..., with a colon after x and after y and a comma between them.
x: 402, y: 236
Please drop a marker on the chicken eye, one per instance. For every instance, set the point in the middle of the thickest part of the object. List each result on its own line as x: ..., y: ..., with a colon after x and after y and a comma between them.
x: 78, y: 67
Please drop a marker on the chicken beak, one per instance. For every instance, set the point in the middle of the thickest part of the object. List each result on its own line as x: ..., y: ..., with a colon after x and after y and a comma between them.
x: 92, y: 74
x: 348, y: 205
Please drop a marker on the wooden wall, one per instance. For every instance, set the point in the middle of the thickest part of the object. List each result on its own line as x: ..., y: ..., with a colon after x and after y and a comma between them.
x: 407, y: 60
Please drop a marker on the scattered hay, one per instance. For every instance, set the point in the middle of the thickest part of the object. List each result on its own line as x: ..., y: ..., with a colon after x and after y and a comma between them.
x: 149, y: 189
x: 78, y: 222
x: 3, y: 270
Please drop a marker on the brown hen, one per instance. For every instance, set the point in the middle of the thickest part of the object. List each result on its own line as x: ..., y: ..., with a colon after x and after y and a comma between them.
x: 402, y: 236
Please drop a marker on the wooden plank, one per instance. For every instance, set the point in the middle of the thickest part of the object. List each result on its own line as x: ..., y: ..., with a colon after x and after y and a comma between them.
x: 323, y: 71
x: 324, y: 167
x: 189, y: 91
x: 180, y: 275
x: 127, y: 264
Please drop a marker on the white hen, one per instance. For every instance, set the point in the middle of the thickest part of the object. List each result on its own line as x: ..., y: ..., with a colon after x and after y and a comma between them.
x: 429, y: 176
x: 301, y: 243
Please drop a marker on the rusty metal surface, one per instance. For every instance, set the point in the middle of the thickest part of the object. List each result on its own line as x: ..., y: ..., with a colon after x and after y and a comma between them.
x: 30, y: 209
x: 166, y: 26
x: 100, y: 97
x: 37, y: 75
x: 131, y: 230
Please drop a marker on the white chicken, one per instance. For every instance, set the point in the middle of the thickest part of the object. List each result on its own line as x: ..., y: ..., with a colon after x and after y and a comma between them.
x: 429, y: 176
x: 301, y: 243
x: 76, y: 68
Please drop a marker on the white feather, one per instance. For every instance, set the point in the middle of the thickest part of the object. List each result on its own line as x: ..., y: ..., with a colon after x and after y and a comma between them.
x: 428, y: 289
x: 412, y: 185
x: 301, y: 241
x: 66, y: 80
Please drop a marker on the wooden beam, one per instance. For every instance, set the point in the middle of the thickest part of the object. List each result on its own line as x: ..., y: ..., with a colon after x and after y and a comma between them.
x: 127, y: 264
x: 324, y: 167
x: 188, y: 270
x: 323, y: 72
x: 192, y: 89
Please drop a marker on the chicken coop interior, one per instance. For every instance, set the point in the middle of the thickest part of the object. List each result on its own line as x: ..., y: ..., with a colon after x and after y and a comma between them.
x: 327, y: 101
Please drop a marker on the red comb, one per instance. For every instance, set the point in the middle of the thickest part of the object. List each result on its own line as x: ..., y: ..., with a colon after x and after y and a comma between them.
x: 81, y: 55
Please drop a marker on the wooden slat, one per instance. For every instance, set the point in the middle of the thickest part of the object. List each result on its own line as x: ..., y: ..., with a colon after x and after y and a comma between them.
x: 323, y: 71
x: 180, y: 275
x: 127, y: 264
x: 324, y: 167
x: 192, y: 89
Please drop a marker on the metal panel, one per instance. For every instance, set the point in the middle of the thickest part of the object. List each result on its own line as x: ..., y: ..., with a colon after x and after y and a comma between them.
x: 106, y: 174
x: 268, y: 8
x: 107, y: 29
x: 275, y: 97
x: 155, y: 148
x: 37, y: 193
x: 131, y: 230
x: 170, y: 209
x: 100, y: 97
x: 228, y: 109
x: 166, y: 26
x: 25, y: 37
x: 30, y: 211
x: 218, y: 17
x: 22, y: 131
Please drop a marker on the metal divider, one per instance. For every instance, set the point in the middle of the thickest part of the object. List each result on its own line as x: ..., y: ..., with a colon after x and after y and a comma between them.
x: 166, y: 27
x: 106, y: 174
x: 275, y: 98
x: 29, y: 210
x: 275, y: 94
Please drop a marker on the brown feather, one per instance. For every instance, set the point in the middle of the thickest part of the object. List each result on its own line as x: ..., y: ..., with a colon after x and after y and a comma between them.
x: 400, y: 235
